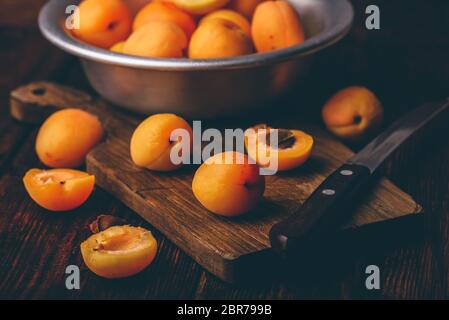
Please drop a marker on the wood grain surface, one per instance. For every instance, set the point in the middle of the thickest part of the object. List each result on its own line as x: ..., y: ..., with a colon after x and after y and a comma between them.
x: 165, y: 200
x: 405, y: 63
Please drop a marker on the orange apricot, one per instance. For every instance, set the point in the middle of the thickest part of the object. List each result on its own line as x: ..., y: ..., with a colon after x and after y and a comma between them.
x: 59, y: 189
x: 245, y: 7
x: 219, y: 38
x: 232, y: 16
x: 119, y: 251
x: 157, y: 39
x: 151, y: 146
x: 353, y: 113
x: 276, y: 25
x: 165, y: 11
x: 66, y: 137
x: 118, y: 47
x: 200, y: 7
x: 103, y: 22
x: 293, y: 149
x: 228, y: 184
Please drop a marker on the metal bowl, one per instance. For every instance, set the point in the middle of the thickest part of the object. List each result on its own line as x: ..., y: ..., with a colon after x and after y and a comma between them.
x: 201, y: 88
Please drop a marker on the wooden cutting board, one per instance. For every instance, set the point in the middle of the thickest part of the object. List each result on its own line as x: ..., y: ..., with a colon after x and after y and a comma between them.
x: 223, y: 246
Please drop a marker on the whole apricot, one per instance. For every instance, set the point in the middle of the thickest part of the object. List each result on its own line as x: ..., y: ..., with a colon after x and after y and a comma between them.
x: 228, y: 185
x: 157, y: 39
x: 276, y: 25
x: 353, y: 113
x: 119, y: 251
x: 165, y: 11
x: 219, y: 38
x: 66, y: 137
x: 151, y: 144
x: 293, y: 147
x: 59, y: 189
x: 245, y: 7
x: 232, y: 16
x: 103, y: 22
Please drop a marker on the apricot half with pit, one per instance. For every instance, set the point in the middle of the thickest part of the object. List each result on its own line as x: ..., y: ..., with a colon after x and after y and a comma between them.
x: 228, y: 184
x: 353, y: 113
x: 59, y: 189
x: 292, y: 150
x: 66, y: 137
x: 119, y: 251
x: 103, y: 23
x: 153, y: 144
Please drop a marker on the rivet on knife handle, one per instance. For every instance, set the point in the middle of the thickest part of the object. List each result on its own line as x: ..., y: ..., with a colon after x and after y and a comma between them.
x: 322, y: 211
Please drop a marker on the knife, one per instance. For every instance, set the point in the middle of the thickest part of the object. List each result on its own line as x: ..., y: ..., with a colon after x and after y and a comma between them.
x: 330, y: 203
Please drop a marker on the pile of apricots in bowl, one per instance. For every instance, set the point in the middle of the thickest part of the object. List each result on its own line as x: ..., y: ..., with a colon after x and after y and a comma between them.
x: 196, y: 29
x: 227, y: 184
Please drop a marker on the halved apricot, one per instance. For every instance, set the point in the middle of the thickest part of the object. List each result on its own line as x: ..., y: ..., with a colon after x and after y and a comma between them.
x: 120, y: 251
x: 103, y: 22
x: 228, y: 184
x: 59, y: 189
x: 151, y: 145
x: 65, y: 138
x: 293, y: 149
x: 165, y: 11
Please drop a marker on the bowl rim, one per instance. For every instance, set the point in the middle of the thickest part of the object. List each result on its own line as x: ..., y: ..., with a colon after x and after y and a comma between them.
x: 51, y: 25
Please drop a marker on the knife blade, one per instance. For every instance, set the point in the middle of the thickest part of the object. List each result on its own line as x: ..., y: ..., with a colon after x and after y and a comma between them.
x: 331, y: 202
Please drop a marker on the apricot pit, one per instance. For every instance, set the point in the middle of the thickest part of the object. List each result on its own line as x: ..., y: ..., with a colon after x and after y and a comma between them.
x: 293, y: 149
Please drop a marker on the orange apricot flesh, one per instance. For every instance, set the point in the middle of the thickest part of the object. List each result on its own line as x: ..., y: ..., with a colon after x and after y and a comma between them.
x: 276, y: 25
x: 151, y: 146
x: 293, y: 150
x: 66, y: 137
x: 165, y: 11
x: 59, y: 189
x: 103, y: 22
x: 157, y: 39
x: 119, y: 251
x: 353, y: 113
x: 219, y: 38
x: 228, y: 188
x: 232, y: 16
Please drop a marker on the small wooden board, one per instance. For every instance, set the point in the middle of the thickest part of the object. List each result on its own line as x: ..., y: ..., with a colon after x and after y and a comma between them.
x: 166, y: 201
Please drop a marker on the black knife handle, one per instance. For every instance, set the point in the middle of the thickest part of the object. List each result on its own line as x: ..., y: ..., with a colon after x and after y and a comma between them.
x: 322, y: 212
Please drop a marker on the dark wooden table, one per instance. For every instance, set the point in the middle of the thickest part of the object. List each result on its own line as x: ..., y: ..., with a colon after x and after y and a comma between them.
x: 405, y: 63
